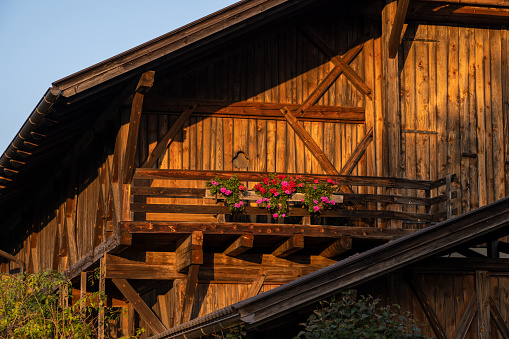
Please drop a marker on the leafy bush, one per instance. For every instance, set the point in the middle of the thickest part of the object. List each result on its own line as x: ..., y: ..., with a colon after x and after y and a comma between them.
x: 350, y: 318
x: 36, y: 306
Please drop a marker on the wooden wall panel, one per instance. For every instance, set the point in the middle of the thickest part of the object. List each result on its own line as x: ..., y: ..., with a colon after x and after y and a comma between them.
x: 454, y: 86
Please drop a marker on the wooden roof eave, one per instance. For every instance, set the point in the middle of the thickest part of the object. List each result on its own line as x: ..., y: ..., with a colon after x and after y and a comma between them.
x: 207, y: 30
x: 489, y: 220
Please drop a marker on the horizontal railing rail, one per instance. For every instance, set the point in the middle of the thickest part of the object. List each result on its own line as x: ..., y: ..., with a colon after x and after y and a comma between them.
x: 199, y: 201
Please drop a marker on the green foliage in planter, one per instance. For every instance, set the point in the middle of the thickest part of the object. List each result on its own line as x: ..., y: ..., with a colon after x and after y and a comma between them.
x: 37, y: 306
x: 352, y: 319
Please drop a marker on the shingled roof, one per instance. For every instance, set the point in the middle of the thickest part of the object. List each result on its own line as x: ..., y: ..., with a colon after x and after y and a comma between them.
x: 472, y: 228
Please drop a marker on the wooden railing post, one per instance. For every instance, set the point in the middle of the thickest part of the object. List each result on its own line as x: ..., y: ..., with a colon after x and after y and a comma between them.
x: 428, y: 207
x: 448, y: 193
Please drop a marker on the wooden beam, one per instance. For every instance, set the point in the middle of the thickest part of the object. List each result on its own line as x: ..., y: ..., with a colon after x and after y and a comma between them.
x: 426, y: 307
x: 257, y: 284
x: 169, y: 227
x: 70, y: 213
x: 8, y: 256
x: 139, y: 305
x: 292, y: 245
x: 391, y: 128
x: 242, y: 244
x: 351, y: 75
x: 482, y: 290
x: 99, y: 221
x: 189, y: 251
x: 397, y: 27
x: 252, y: 110
x: 163, y: 174
x: 55, y: 265
x: 493, y: 3
x: 309, y: 142
x: 83, y: 290
x: 337, y: 247
x: 146, y: 81
x: 467, y: 318
x: 498, y: 319
x: 357, y: 154
x: 325, y: 84
x: 191, y: 284
x: 166, y: 140
x: 216, y: 268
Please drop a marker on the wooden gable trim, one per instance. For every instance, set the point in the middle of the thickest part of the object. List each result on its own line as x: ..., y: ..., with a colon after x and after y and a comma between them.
x: 397, y: 27
x: 145, y: 83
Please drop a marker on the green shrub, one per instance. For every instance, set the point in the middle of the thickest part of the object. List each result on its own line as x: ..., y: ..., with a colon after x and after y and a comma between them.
x: 37, y: 306
x: 351, y: 318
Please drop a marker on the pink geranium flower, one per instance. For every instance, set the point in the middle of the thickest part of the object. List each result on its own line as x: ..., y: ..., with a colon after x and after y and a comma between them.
x: 316, y: 208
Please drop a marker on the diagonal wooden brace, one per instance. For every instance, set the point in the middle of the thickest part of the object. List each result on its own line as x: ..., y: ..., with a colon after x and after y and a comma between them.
x: 323, y: 86
x: 146, y: 81
x: 166, y: 140
x: 351, y: 75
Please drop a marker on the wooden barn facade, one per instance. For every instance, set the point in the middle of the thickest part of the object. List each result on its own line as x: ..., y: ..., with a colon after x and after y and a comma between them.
x: 405, y: 104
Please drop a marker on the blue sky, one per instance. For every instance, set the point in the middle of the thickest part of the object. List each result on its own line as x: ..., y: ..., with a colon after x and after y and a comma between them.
x: 44, y: 41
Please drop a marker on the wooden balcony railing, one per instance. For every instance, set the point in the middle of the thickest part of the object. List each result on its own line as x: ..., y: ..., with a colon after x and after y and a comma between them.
x: 158, y: 193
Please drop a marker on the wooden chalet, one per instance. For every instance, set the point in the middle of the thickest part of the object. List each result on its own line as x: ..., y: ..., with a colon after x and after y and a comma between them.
x: 405, y: 104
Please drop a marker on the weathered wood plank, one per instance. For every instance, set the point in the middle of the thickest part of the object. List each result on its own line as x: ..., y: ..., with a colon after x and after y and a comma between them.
x: 482, y: 289
x: 168, y: 137
x: 139, y: 305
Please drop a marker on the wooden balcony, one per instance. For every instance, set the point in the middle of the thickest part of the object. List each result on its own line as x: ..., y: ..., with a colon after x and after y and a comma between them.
x: 167, y: 204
